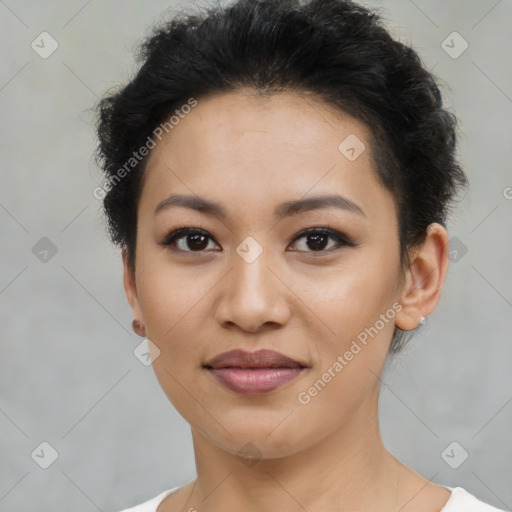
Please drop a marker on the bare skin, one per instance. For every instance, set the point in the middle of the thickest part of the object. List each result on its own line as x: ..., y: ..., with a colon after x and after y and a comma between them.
x: 250, y: 155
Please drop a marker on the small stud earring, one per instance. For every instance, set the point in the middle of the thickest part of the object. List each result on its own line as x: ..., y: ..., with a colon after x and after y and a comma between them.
x: 138, y: 328
x: 422, y: 321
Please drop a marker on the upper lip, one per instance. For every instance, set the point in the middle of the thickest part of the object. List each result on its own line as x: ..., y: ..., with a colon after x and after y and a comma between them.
x: 260, y: 359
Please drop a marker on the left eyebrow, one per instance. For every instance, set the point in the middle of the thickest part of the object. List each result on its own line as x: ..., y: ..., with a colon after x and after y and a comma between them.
x: 316, y: 203
x: 286, y: 209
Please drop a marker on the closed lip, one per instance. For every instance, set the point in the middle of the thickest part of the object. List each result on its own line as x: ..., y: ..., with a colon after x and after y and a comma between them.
x: 263, y: 358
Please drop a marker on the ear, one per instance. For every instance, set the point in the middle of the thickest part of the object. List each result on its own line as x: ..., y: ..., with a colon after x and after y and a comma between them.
x: 130, y: 288
x: 421, y: 289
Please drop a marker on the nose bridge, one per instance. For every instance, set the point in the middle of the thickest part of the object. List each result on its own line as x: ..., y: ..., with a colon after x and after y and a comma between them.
x: 251, y: 279
x: 252, y: 295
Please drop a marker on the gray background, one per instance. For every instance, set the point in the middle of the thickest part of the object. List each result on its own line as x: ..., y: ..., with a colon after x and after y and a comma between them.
x: 68, y: 373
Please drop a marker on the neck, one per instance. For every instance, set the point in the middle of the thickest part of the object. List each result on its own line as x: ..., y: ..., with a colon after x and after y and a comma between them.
x: 350, y: 469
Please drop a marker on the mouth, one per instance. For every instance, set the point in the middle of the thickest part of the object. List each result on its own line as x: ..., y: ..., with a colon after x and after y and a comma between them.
x: 253, y: 373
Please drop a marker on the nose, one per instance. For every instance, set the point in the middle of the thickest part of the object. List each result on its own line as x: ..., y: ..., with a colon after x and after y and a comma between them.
x: 252, y: 296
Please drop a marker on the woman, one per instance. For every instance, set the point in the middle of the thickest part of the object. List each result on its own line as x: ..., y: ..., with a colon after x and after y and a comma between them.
x: 279, y: 175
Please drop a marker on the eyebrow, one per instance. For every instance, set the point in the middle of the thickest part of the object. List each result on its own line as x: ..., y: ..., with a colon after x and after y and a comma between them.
x: 283, y: 210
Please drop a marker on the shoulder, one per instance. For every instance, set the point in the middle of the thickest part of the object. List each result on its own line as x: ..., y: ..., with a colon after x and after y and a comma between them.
x: 152, y: 504
x: 462, y: 501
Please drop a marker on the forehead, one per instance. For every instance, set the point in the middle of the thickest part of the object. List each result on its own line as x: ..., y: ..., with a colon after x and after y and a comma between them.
x: 289, y: 122
x: 257, y: 150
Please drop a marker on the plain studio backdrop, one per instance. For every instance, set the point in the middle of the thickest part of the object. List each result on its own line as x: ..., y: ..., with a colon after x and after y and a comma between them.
x: 74, y: 397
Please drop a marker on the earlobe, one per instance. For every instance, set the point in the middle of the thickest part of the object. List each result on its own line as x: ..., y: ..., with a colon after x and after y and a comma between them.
x: 139, y: 328
x: 421, y: 290
x: 130, y: 289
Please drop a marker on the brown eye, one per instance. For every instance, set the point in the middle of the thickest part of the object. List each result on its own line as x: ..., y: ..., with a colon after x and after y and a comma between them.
x: 188, y: 240
x: 317, y: 240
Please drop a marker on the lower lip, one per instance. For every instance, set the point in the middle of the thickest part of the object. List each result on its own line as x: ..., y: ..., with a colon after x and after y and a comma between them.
x: 254, y: 381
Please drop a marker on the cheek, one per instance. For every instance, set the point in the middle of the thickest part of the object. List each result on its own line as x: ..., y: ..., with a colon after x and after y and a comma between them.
x: 350, y: 298
x: 172, y: 305
x: 335, y: 397
x: 348, y: 363
x: 173, y: 308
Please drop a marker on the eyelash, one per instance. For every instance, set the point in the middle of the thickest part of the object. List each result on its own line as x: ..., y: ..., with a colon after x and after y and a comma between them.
x: 184, y: 231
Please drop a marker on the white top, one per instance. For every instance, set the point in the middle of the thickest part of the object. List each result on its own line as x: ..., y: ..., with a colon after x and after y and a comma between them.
x: 459, y: 501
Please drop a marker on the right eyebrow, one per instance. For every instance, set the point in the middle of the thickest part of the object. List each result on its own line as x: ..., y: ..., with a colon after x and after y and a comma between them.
x: 193, y: 202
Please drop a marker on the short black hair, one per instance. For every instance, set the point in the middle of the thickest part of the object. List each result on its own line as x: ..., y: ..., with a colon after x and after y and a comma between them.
x: 335, y: 50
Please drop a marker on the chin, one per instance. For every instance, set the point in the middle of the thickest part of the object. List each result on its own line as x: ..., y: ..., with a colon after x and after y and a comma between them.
x: 259, y: 445
x: 260, y: 434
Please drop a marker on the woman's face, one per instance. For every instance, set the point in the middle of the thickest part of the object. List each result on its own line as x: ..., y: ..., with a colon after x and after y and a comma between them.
x: 257, y: 281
